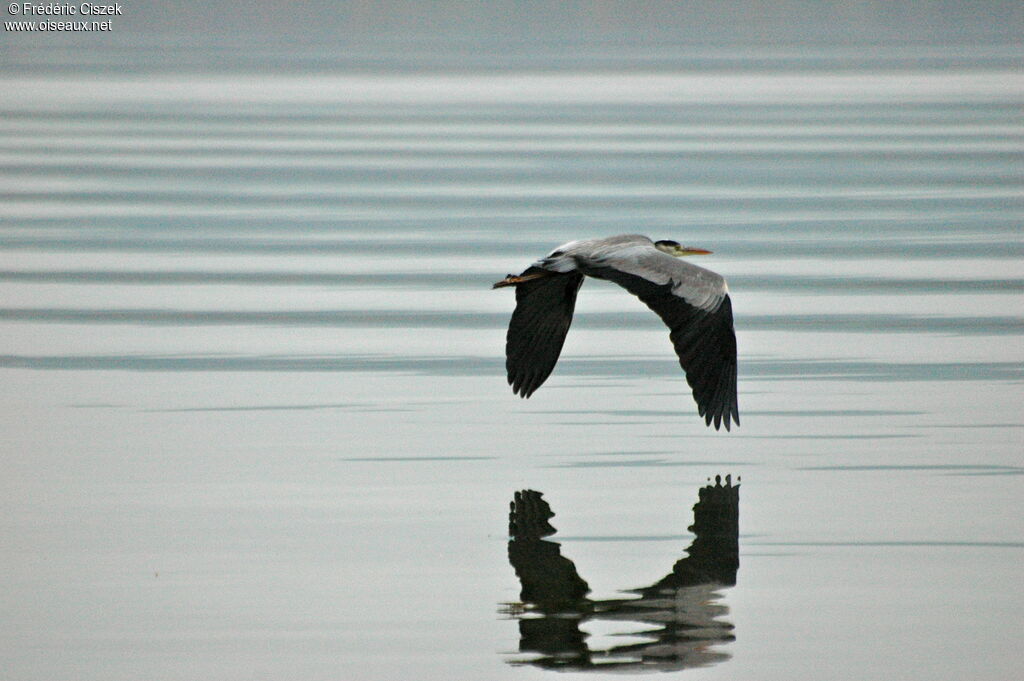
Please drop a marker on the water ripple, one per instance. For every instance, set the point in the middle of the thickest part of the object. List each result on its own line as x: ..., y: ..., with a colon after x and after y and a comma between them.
x: 469, y: 365
x: 377, y: 318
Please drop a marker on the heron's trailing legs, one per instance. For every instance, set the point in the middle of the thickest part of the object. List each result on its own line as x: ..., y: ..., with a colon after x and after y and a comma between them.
x: 512, y: 280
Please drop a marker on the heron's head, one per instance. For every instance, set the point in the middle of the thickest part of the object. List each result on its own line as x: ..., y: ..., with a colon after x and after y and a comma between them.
x: 673, y: 248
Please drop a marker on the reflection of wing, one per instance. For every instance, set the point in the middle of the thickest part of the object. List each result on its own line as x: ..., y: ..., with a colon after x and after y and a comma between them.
x: 548, y: 578
x: 528, y: 516
x: 682, y: 607
x: 703, y: 337
x: 714, y: 555
x: 543, y: 313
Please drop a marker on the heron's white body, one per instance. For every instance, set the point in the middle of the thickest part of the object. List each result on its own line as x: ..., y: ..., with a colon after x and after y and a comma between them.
x: 637, y: 255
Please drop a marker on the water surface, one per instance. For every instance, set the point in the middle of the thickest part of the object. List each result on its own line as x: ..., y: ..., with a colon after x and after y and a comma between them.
x: 255, y: 417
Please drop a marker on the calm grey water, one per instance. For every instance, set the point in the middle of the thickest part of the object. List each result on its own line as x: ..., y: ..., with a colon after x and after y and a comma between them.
x: 255, y: 423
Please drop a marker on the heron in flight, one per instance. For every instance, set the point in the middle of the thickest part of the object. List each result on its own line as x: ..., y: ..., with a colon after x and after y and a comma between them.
x: 692, y: 301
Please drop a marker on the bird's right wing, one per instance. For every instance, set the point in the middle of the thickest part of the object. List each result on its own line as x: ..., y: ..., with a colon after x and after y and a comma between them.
x: 543, y: 313
x: 703, y: 337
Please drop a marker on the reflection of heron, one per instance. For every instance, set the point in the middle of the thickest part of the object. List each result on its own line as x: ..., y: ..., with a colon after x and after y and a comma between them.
x: 680, y: 608
x: 692, y: 301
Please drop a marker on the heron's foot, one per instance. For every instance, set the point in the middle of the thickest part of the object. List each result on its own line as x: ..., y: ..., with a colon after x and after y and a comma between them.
x: 507, y: 281
x: 512, y: 280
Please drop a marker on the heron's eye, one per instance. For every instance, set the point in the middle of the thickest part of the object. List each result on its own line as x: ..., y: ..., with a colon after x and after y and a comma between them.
x: 555, y: 254
x: 667, y: 243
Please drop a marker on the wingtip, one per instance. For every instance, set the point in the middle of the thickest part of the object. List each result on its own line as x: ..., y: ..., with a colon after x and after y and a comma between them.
x: 726, y: 419
x: 520, y: 388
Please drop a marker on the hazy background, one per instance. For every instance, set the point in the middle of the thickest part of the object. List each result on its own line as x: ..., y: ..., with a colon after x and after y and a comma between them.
x: 545, y: 35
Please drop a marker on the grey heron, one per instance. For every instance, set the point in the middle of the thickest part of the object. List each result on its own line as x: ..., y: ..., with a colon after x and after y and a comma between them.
x: 692, y: 301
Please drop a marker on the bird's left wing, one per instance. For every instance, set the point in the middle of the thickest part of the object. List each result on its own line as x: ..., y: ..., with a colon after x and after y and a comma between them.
x: 544, y: 307
x: 694, y: 304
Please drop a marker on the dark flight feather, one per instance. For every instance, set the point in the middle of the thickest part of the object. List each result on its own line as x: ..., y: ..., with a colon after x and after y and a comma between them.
x: 704, y: 341
x: 536, y: 334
